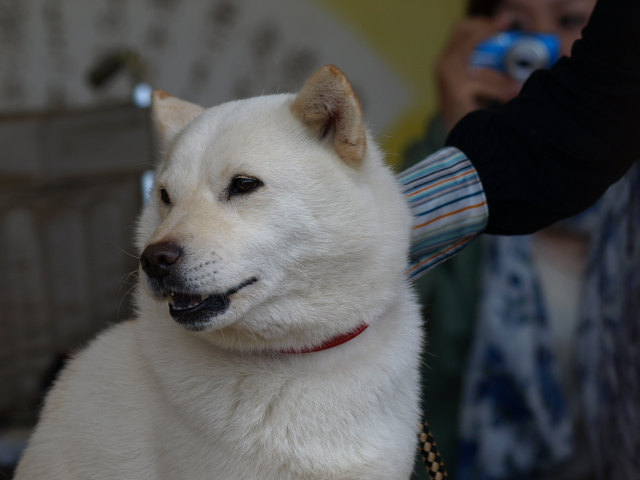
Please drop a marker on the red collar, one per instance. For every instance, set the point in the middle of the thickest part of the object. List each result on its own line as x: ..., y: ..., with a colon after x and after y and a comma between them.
x: 332, y: 342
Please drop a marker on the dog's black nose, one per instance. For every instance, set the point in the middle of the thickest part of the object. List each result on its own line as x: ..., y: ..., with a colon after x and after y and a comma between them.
x: 158, y: 259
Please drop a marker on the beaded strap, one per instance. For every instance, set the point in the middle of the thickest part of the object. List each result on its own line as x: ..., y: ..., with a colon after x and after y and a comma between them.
x: 430, y: 454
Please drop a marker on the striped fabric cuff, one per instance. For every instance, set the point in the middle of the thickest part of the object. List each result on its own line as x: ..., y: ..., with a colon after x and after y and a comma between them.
x: 448, y: 204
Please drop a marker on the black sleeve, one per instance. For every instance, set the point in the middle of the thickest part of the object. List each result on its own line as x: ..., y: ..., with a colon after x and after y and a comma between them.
x: 573, y: 131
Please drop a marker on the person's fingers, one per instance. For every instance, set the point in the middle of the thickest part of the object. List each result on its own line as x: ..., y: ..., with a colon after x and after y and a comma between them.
x: 483, y: 89
x: 493, y: 84
x: 469, y: 33
x: 460, y: 85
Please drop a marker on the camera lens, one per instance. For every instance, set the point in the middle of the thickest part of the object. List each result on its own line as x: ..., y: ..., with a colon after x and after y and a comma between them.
x: 525, y: 56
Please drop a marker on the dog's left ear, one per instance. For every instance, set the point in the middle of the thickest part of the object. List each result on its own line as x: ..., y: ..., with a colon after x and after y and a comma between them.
x: 329, y: 107
x: 170, y: 115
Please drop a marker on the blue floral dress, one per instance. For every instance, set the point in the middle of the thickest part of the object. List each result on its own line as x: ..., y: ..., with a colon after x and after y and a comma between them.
x: 609, y: 334
x: 513, y: 414
x: 514, y: 418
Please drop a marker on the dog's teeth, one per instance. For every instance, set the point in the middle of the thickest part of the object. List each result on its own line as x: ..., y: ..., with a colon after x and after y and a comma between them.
x: 171, y: 297
x: 180, y: 301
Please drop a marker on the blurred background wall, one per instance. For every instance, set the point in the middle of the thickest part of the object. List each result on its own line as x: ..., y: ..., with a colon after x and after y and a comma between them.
x: 72, y: 149
x: 217, y: 50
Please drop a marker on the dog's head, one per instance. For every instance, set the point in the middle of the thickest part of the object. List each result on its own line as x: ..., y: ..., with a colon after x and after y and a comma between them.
x: 273, y: 222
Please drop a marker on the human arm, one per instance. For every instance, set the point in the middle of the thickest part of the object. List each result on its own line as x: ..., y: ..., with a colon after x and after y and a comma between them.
x: 549, y: 153
x: 572, y: 131
x: 448, y: 205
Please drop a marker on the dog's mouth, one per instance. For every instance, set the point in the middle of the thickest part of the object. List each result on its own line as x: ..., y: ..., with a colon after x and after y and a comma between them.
x: 185, y: 302
x: 194, y: 310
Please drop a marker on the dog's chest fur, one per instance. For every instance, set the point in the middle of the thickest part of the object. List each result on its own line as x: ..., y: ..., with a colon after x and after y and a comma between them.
x: 330, y: 415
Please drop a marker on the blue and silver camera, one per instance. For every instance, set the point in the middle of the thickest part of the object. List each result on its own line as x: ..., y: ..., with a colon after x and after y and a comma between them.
x: 517, y: 54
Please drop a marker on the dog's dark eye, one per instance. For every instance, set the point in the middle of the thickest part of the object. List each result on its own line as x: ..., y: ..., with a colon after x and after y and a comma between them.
x: 164, y: 196
x: 240, y: 185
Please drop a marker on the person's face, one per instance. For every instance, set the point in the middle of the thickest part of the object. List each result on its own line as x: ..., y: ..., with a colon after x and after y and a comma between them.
x: 565, y: 18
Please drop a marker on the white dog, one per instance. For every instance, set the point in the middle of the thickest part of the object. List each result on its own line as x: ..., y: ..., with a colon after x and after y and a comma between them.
x: 276, y: 335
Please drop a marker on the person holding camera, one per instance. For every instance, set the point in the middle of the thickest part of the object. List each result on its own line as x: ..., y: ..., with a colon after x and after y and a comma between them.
x: 526, y: 329
x: 463, y: 89
x: 548, y: 154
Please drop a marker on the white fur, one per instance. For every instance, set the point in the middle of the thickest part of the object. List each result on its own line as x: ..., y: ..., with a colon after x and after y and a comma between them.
x: 327, y: 242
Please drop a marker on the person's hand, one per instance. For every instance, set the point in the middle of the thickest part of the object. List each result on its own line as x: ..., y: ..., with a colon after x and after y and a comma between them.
x: 463, y: 88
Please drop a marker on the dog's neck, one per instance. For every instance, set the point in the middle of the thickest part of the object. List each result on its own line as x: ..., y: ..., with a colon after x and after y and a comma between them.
x: 331, y: 342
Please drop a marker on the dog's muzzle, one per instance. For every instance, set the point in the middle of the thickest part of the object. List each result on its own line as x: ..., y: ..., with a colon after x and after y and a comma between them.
x: 161, y: 262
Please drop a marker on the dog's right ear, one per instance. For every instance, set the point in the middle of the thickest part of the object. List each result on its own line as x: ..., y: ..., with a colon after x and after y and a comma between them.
x: 169, y: 115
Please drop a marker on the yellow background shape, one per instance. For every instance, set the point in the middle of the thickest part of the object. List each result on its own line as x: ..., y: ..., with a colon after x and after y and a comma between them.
x: 408, y: 35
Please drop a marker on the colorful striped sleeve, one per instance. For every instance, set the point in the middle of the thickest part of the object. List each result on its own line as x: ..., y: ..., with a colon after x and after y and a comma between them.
x: 448, y: 204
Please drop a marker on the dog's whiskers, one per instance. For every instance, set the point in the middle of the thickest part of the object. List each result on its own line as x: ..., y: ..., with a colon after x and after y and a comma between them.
x: 122, y: 300
x: 255, y: 339
x: 124, y: 279
x: 123, y: 251
x: 239, y: 341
